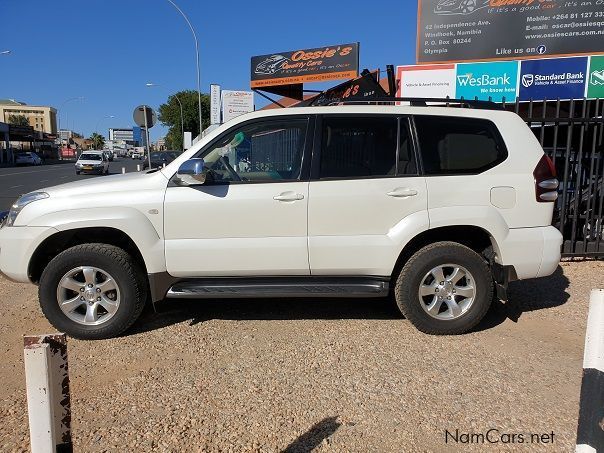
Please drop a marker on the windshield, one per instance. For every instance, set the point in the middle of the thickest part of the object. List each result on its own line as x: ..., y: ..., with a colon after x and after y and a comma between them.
x: 90, y: 157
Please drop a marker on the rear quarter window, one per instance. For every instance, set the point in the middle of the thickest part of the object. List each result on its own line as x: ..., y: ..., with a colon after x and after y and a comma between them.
x: 458, y: 146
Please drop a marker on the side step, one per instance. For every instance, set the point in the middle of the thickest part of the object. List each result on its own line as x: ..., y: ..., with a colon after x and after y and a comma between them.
x: 213, y: 288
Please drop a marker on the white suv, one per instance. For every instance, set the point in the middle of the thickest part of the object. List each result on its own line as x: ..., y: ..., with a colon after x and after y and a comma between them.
x: 437, y: 206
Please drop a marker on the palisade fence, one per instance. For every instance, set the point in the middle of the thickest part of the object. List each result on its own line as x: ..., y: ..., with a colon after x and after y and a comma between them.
x: 572, y: 133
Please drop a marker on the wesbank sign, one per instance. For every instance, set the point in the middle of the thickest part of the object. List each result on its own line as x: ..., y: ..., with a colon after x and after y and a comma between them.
x: 487, y: 80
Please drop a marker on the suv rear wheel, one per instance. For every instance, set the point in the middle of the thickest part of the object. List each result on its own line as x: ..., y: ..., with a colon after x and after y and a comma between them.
x: 92, y: 291
x: 445, y: 288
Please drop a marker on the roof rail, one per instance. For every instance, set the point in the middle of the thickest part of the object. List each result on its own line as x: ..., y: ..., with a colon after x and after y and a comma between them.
x: 423, y: 102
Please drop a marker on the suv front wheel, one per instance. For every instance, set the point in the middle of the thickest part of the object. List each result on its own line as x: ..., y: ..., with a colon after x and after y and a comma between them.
x: 445, y: 288
x: 92, y: 291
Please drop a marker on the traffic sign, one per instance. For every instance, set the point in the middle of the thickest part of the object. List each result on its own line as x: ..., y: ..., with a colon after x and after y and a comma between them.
x: 144, y: 116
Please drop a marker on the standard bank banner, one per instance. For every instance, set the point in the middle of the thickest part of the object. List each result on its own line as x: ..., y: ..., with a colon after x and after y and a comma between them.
x: 556, y: 78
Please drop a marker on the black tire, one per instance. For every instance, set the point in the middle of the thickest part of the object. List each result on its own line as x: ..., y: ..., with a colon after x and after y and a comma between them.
x: 129, y: 277
x: 411, y: 277
x: 77, y: 172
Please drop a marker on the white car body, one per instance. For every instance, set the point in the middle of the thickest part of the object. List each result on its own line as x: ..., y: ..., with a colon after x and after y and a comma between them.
x: 344, y: 227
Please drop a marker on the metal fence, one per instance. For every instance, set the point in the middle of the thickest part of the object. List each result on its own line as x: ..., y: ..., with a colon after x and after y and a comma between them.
x: 572, y: 134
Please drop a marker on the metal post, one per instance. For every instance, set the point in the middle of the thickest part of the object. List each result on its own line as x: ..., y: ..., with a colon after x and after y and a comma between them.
x: 123, y: 170
x: 138, y: 167
x: 590, y: 430
x: 197, y: 61
x: 48, y: 400
x: 147, y: 135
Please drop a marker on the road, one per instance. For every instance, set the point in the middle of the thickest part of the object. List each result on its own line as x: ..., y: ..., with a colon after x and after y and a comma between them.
x: 15, y: 181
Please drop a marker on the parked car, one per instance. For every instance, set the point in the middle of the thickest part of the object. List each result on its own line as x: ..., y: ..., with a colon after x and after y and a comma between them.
x: 159, y: 159
x: 136, y: 155
x: 92, y: 162
x: 438, y: 207
x: 28, y: 158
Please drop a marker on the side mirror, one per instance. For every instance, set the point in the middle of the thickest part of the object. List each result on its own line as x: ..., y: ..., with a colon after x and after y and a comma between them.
x: 192, y: 172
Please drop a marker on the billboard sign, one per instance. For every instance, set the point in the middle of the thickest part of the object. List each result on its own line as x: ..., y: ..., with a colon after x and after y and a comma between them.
x: 235, y: 103
x: 214, y: 104
x: 306, y: 65
x: 487, y: 80
x: 429, y: 81
x: 472, y: 30
x: 359, y: 89
x: 595, y: 83
x: 562, y: 78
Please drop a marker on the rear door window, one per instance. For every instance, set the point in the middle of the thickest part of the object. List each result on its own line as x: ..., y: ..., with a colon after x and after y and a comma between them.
x: 457, y: 146
x: 365, y: 147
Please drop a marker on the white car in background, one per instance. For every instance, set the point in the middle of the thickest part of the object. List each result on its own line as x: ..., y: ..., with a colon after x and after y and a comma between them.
x: 28, y: 158
x: 92, y: 162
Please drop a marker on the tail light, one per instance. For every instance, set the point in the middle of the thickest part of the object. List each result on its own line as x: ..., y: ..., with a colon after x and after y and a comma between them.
x: 546, y: 184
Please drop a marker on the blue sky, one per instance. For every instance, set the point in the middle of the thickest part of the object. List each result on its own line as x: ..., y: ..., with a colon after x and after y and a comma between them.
x: 106, y: 50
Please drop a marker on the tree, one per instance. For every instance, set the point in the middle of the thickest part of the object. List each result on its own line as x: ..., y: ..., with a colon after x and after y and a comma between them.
x: 98, y: 141
x: 18, y: 120
x: 169, y: 115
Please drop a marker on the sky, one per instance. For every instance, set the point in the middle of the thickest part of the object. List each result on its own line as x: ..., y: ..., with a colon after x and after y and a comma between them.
x: 107, y: 50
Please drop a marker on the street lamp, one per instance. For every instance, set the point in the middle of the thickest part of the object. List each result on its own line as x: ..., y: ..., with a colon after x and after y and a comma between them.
x: 96, y: 127
x: 197, y: 59
x: 77, y: 98
x: 182, y: 121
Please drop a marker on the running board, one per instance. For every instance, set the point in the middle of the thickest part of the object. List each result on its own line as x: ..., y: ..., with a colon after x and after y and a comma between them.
x: 279, y: 287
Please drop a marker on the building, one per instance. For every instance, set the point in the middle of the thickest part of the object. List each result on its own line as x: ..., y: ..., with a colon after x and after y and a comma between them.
x: 41, y: 118
x: 117, y: 134
x: 140, y: 137
x: 161, y: 144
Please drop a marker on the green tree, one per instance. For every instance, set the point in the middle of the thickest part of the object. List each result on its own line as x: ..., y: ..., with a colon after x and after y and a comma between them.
x: 169, y: 115
x: 98, y: 141
x: 18, y: 120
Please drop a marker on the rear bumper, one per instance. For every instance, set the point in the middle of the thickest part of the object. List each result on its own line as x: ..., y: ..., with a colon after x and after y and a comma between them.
x: 533, y: 252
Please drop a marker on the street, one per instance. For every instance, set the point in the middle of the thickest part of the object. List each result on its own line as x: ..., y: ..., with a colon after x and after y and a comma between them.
x: 16, y: 181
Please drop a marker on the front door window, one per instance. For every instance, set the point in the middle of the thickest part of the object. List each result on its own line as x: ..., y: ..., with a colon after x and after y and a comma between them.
x: 269, y: 151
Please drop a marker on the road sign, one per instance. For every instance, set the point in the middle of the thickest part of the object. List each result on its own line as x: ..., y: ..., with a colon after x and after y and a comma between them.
x: 214, y: 104
x: 144, y: 116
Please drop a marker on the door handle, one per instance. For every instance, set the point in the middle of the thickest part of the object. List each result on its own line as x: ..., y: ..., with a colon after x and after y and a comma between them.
x: 402, y: 192
x: 288, y: 196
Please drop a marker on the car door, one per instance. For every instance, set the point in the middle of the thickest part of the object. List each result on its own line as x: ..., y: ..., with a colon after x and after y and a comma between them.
x: 365, y: 188
x: 250, y: 217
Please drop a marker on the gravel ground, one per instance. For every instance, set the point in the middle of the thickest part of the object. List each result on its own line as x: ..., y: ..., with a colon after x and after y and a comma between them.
x: 293, y: 375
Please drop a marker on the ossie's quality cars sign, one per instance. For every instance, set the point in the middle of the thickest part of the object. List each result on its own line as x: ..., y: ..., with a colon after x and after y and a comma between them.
x: 306, y: 65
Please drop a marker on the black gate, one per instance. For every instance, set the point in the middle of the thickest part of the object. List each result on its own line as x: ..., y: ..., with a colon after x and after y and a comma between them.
x: 572, y: 134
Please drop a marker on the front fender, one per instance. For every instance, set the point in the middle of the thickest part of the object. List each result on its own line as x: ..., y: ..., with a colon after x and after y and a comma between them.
x: 131, y: 221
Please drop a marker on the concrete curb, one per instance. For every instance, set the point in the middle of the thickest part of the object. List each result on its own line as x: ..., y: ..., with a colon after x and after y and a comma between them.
x: 590, y: 430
